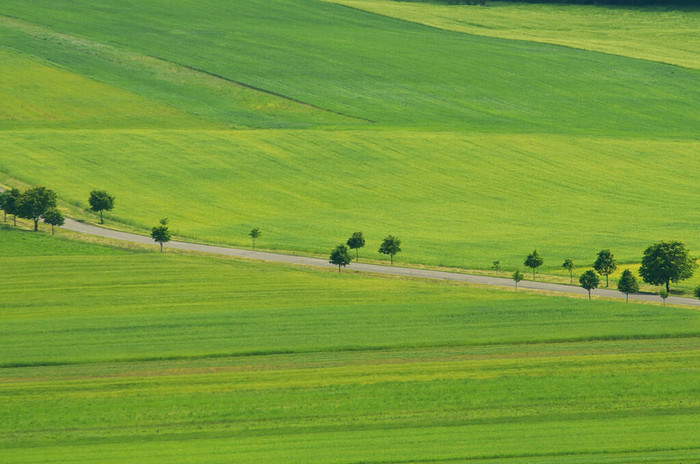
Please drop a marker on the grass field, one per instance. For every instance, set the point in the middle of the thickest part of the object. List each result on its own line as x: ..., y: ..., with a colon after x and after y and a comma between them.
x: 111, y: 355
x: 667, y: 34
x: 471, y: 149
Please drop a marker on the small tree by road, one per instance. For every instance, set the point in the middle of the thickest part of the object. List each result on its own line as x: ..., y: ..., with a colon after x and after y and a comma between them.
x: 517, y: 277
x: 533, y: 261
x: 53, y: 217
x: 101, y: 201
x: 605, y: 264
x: 589, y: 280
x: 569, y: 266
x: 9, y: 204
x: 697, y: 291
x: 340, y: 256
x: 356, y: 242
x: 390, y: 246
x: 160, y: 233
x: 627, y: 284
x: 665, y: 262
x: 254, y: 234
x: 34, y: 202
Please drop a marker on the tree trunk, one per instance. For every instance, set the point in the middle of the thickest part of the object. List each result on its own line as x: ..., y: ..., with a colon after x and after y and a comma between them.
x: 392, y: 259
x: 571, y: 277
x: 357, y: 255
x: 533, y: 273
x: 101, y: 221
x: 51, y: 229
x: 667, y: 283
x: 627, y: 297
x: 338, y: 267
x: 36, y: 225
x: 589, y: 293
x: 14, y: 220
x: 606, y: 281
x: 161, y: 247
x: 253, y: 244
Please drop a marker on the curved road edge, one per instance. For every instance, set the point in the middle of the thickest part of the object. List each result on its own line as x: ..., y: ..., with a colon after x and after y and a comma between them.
x: 91, y: 229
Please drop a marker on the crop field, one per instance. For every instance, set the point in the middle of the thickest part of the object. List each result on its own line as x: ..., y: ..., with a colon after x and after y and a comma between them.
x: 112, y: 355
x: 313, y: 120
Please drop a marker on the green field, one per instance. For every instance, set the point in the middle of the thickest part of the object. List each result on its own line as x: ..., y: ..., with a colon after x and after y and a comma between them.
x: 111, y: 355
x: 459, y: 144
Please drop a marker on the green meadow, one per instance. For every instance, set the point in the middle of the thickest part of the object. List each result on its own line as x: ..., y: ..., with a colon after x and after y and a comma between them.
x: 114, y: 355
x: 313, y: 120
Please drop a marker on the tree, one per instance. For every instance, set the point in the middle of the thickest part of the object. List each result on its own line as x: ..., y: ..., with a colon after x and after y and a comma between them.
x: 589, y: 280
x: 496, y: 266
x: 697, y: 291
x: 627, y: 284
x: 533, y: 261
x: 665, y: 262
x: 390, y: 246
x: 517, y: 277
x: 356, y: 242
x: 605, y: 264
x: 160, y: 233
x: 663, y: 293
x: 569, y: 266
x: 9, y: 203
x: 101, y: 201
x: 34, y: 202
x: 53, y: 217
x: 255, y: 233
x: 340, y: 256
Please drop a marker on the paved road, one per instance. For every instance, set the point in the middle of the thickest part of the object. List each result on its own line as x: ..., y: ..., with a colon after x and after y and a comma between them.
x: 399, y: 271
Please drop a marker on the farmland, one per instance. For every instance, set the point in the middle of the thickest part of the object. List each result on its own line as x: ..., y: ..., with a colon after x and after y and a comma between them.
x: 459, y: 144
x: 139, y: 357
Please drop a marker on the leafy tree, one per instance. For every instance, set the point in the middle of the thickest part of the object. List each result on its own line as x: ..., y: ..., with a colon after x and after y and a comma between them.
x: 569, y: 266
x: 605, y: 264
x: 589, y: 280
x: 517, y: 277
x: 356, y: 242
x: 101, y: 201
x: 255, y: 233
x: 627, y: 284
x: 663, y: 293
x: 496, y: 266
x: 390, y: 246
x: 10, y: 201
x: 340, y: 256
x: 160, y: 233
x: 53, y: 217
x: 697, y: 291
x: 34, y: 202
x: 665, y: 262
x: 533, y: 261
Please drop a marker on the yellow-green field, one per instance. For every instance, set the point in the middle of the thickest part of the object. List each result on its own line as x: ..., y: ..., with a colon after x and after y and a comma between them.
x: 123, y: 356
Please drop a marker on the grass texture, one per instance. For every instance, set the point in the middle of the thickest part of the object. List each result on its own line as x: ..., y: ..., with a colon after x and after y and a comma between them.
x: 143, y: 357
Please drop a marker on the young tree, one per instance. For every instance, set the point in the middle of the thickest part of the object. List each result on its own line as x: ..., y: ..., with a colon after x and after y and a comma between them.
x: 356, y: 242
x: 53, y: 217
x: 160, y: 233
x: 390, y: 246
x: 697, y: 291
x: 10, y: 200
x: 340, y: 256
x: 255, y: 233
x: 496, y: 266
x: 533, y: 261
x: 589, y: 280
x: 101, y: 201
x: 34, y: 202
x: 665, y: 262
x: 627, y: 284
x: 569, y: 266
x: 605, y: 264
x: 663, y: 293
x: 517, y: 277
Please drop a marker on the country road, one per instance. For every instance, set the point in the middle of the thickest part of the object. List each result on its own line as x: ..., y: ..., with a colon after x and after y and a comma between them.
x: 372, y: 268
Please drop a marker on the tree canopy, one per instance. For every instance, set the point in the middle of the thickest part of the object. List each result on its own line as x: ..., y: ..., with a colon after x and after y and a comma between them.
x: 390, y: 246
x: 589, y: 280
x: 665, y: 262
x: 340, y: 256
x: 53, y: 217
x: 254, y: 234
x: 568, y: 264
x: 517, y: 277
x: 34, y: 202
x: 605, y: 264
x: 627, y: 283
x: 101, y: 201
x: 356, y: 242
x: 160, y: 233
x: 9, y: 203
x: 533, y: 261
